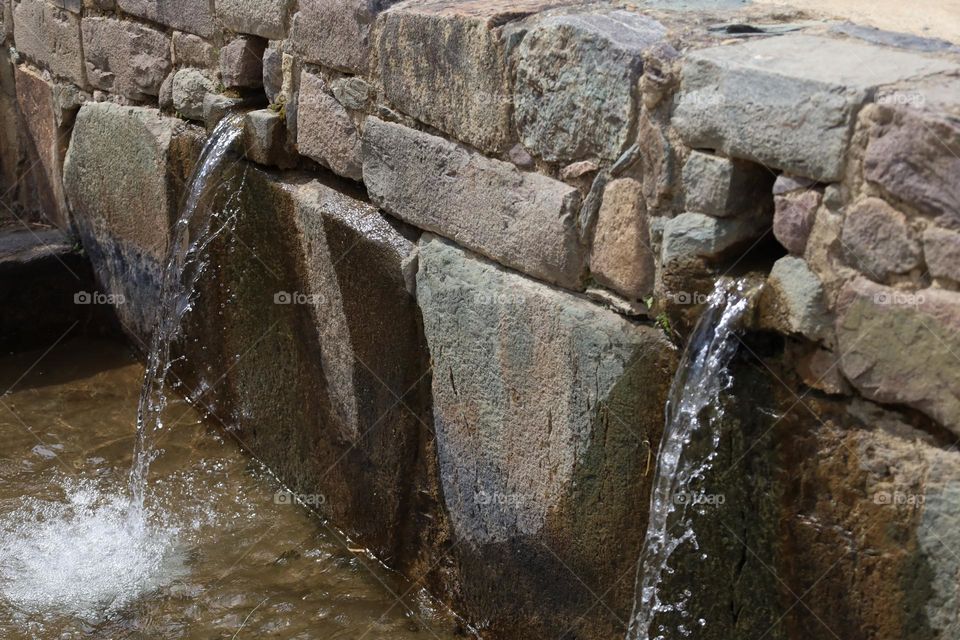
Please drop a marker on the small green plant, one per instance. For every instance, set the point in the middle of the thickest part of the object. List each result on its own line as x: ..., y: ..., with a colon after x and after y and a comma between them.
x: 663, y: 321
x: 280, y: 107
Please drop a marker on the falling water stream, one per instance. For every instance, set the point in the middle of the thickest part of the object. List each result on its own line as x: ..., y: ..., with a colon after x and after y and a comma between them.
x: 185, y: 265
x: 203, y: 550
x: 687, y: 452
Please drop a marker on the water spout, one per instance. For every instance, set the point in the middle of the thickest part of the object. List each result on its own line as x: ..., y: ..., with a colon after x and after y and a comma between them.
x: 185, y: 264
x: 687, y: 452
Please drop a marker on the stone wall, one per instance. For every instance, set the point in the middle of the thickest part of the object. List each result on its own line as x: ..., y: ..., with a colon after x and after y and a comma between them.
x: 470, y: 235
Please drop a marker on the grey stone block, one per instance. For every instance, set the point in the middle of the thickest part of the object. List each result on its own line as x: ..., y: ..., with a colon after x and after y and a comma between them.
x: 526, y: 221
x: 788, y: 102
x: 125, y: 57
x: 575, y: 86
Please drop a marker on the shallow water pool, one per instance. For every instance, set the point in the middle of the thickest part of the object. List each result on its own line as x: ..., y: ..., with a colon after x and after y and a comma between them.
x: 219, y: 552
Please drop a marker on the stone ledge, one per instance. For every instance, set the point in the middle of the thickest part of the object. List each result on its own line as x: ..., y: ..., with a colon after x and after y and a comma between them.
x: 788, y: 102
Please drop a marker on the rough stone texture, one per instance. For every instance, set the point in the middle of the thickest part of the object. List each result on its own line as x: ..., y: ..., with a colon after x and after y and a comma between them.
x: 576, y: 79
x: 825, y: 253
x: 900, y: 347
x: 193, y: 51
x: 216, y: 106
x: 76, y: 6
x: 241, y: 63
x: 165, y: 99
x: 794, y: 214
x: 265, y: 138
x: 794, y: 301
x: 695, y: 235
x: 325, y: 131
x: 50, y: 37
x: 544, y: 406
x: 621, y: 257
x: 189, y: 88
x: 523, y: 220
x: 336, y: 33
x: 941, y: 249
x: 820, y: 369
x: 722, y: 187
x: 264, y: 18
x: 125, y: 57
x: 521, y: 157
x: 658, y: 162
x: 6, y: 21
x: 878, y: 240
x: 871, y: 516
x: 787, y: 102
x: 914, y: 157
x: 193, y: 16
x: 333, y: 389
x: 273, y: 71
x: 577, y: 170
x: 353, y: 92
x: 121, y: 180
x: 445, y: 63
x: 48, y: 140
x: 12, y: 147
x: 67, y: 100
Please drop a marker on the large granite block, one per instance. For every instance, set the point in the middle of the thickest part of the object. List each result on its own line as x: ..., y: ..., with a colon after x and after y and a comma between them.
x: 788, y: 102
x: 526, y: 221
x: 50, y: 37
x: 125, y: 57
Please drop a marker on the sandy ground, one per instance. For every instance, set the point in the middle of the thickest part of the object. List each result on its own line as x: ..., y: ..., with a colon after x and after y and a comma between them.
x: 930, y: 18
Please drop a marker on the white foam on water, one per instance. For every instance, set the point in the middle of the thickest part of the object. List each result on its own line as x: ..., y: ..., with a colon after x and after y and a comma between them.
x: 96, y: 550
x: 88, y: 555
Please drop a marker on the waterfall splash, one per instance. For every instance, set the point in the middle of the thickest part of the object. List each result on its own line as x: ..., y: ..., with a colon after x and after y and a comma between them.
x: 93, y: 549
x: 687, y: 452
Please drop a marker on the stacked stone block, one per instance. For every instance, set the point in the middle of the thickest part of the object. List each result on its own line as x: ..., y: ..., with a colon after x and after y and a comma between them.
x: 578, y: 177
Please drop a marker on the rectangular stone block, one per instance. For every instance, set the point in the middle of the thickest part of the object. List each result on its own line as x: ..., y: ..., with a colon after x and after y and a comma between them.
x: 621, y: 257
x: 325, y: 130
x: 266, y: 141
x: 581, y: 68
x: 546, y: 407
x: 723, y: 188
x: 336, y: 33
x: 334, y: 359
x: 445, y: 63
x: 37, y: 103
x: 122, y: 181
x: 193, y: 16
x: 125, y: 57
x: 193, y: 51
x: 526, y: 221
x: 241, y: 63
x: 788, y: 102
x: 264, y: 18
x: 50, y: 37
